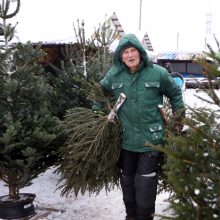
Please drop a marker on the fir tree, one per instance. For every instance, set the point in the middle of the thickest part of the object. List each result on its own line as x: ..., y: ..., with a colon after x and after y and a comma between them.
x: 92, y: 147
x: 193, y: 159
x: 84, y: 59
x: 27, y: 127
x: 91, y: 150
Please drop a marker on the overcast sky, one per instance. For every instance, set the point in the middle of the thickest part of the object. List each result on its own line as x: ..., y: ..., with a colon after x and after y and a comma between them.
x: 163, y: 20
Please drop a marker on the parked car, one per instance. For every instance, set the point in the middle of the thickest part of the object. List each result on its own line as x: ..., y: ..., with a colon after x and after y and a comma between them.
x: 201, y: 82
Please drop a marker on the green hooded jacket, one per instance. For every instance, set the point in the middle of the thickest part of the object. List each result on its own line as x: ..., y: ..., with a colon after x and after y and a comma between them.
x: 139, y: 116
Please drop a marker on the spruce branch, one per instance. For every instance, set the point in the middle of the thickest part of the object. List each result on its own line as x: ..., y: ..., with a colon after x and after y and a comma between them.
x: 91, y: 151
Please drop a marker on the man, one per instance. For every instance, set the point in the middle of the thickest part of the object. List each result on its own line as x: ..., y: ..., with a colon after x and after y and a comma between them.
x: 142, y: 125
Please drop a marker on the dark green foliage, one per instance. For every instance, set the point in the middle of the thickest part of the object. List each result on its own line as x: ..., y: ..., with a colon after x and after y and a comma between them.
x: 85, y: 59
x: 193, y: 159
x: 27, y: 127
x: 91, y: 151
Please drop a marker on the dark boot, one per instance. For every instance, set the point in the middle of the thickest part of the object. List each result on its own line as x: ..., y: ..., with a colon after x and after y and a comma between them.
x: 130, y: 208
x: 146, y: 191
x: 128, y: 191
x: 130, y: 217
x: 144, y: 213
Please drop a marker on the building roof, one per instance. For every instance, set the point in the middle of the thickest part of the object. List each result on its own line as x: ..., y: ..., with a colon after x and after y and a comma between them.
x: 177, y: 55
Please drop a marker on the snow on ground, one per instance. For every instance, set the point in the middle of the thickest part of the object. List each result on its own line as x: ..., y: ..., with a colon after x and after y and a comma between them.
x: 84, y: 207
x: 191, y: 98
x: 89, y: 207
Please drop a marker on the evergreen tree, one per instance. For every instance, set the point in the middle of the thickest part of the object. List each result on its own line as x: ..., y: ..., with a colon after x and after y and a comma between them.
x: 27, y: 127
x: 92, y: 147
x: 193, y: 159
x: 84, y: 59
x: 91, y: 150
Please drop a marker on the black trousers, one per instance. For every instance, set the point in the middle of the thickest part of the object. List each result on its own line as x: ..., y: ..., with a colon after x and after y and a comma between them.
x: 139, y: 181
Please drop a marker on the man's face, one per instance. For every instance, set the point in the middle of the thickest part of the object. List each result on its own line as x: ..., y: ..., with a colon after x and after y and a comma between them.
x: 131, y: 57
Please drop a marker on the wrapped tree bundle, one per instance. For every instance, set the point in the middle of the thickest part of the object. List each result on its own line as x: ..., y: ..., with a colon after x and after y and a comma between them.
x: 91, y: 151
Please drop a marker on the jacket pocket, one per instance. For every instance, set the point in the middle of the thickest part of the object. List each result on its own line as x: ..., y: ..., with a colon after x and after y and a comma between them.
x: 117, y: 88
x: 152, y: 84
x: 117, y: 85
x: 151, y: 95
x: 155, y: 132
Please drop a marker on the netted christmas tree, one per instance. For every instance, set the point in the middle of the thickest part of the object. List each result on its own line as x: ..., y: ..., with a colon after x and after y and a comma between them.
x: 193, y: 158
x: 27, y: 127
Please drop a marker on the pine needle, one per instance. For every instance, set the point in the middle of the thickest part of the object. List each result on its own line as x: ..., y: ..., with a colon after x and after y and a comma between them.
x: 91, y: 151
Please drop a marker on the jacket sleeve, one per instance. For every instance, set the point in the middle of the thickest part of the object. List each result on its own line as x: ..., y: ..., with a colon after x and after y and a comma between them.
x: 173, y: 91
x: 105, y: 84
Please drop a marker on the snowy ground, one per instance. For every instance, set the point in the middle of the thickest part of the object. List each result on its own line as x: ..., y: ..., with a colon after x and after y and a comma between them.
x: 85, y: 207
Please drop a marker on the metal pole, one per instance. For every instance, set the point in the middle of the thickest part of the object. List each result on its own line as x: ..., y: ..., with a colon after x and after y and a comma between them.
x: 177, y: 42
x: 140, y: 15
